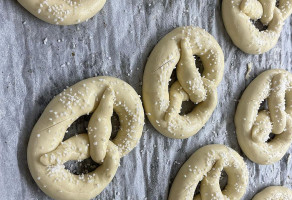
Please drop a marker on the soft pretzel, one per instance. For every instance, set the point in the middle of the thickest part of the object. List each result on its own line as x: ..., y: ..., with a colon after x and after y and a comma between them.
x: 274, y: 193
x: 46, y: 152
x: 237, y: 16
x: 205, y: 165
x: 162, y: 105
x: 253, y: 126
x: 63, y: 12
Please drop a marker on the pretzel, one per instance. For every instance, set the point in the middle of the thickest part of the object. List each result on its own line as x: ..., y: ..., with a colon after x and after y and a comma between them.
x: 205, y: 165
x: 253, y: 126
x: 237, y: 16
x: 63, y: 12
x: 274, y: 193
x: 163, y: 106
x: 46, y: 152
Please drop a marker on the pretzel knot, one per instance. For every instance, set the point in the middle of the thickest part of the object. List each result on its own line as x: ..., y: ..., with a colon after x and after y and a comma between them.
x: 162, y: 105
x: 206, y: 165
x: 253, y: 127
x: 65, y: 12
x: 274, y: 193
x: 237, y: 16
x: 47, y: 153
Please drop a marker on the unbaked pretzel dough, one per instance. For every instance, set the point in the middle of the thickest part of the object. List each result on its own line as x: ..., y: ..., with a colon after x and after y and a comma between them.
x: 205, y: 165
x: 274, y: 193
x: 237, y: 16
x: 46, y: 152
x: 162, y: 106
x: 253, y: 125
x: 63, y: 12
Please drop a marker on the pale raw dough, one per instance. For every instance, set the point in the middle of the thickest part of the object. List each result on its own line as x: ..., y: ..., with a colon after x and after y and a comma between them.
x: 274, y: 193
x: 254, y: 124
x: 162, y: 106
x: 237, y: 16
x: 63, y: 12
x: 46, y: 152
x: 206, y: 165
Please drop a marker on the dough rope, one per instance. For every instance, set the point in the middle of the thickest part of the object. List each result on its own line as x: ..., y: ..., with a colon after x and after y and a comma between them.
x: 163, y: 106
x: 237, y: 16
x: 46, y: 152
x: 205, y: 165
x: 253, y: 126
x: 274, y: 193
x: 63, y: 12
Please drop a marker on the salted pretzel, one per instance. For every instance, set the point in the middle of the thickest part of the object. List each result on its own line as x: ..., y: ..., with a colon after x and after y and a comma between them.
x: 63, y: 12
x: 162, y: 104
x: 206, y: 165
x: 47, y: 152
x: 237, y: 16
x: 254, y: 124
x: 274, y: 193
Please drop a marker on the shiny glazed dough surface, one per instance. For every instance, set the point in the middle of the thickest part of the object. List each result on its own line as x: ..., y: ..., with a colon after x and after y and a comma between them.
x: 238, y: 16
x: 162, y: 101
x: 274, y: 193
x: 254, y: 123
x: 37, y: 64
x: 47, y: 152
x: 205, y: 166
x: 63, y: 12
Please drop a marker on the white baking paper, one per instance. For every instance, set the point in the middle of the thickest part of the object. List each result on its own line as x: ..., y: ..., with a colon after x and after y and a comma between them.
x: 38, y: 60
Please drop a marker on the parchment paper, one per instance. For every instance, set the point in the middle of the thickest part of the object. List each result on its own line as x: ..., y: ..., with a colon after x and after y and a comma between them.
x: 38, y: 60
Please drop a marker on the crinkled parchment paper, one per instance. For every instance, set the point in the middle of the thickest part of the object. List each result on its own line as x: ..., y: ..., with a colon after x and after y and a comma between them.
x: 38, y: 60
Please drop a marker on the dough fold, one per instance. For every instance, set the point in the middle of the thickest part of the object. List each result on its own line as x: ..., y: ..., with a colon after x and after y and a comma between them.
x: 254, y: 123
x: 163, y: 105
x: 237, y: 16
x: 47, y: 152
x: 206, y: 165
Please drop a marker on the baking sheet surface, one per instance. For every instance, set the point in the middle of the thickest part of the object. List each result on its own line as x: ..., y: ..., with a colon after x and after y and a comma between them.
x: 38, y: 60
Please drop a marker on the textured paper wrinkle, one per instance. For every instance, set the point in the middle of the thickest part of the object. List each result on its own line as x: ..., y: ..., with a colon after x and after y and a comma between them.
x: 32, y: 72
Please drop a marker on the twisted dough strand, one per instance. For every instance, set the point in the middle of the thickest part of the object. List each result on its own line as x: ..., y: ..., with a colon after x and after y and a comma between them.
x: 253, y: 126
x: 206, y: 165
x: 46, y: 152
x: 188, y: 74
x: 162, y: 105
x: 237, y: 16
